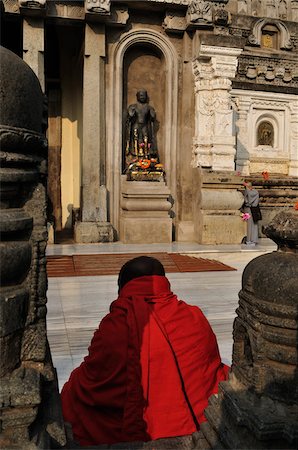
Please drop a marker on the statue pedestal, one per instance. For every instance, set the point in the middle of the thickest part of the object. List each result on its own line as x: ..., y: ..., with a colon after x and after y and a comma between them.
x: 144, y: 217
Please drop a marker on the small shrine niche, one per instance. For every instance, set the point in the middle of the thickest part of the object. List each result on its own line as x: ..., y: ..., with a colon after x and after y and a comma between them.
x: 269, y: 39
x: 265, y: 134
x: 143, y: 136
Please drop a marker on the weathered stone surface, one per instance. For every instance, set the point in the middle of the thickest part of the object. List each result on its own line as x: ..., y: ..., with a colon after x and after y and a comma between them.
x: 258, y: 407
x: 145, y: 212
x: 25, y: 367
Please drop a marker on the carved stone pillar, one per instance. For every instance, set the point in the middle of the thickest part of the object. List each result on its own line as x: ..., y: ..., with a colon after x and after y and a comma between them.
x: 30, y: 406
x: 33, y: 46
x: 242, y: 156
x: 293, y: 163
x: 214, y: 143
x: 257, y: 408
x: 94, y: 204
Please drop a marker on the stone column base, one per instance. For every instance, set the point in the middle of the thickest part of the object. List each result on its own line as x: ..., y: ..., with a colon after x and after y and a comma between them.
x: 144, y: 217
x: 91, y: 232
x: 185, y: 231
x: 217, y: 218
x: 221, y: 228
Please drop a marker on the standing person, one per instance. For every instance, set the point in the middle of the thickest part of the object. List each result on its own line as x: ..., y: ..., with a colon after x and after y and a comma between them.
x: 251, y: 206
x: 152, y: 365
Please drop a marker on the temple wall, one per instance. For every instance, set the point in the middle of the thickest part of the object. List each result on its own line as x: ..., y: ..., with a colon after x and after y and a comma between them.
x: 220, y: 75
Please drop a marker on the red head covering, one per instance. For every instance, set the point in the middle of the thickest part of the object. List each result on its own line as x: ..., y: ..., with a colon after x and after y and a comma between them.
x: 129, y: 387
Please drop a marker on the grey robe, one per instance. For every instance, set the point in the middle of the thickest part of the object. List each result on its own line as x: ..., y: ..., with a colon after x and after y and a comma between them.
x: 251, y: 198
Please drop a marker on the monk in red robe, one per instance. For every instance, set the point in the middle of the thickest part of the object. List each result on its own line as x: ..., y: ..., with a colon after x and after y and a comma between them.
x: 152, y: 365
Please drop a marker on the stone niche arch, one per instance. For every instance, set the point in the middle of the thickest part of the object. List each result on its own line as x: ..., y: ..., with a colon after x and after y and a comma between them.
x: 161, y: 47
x: 284, y: 38
x: 144, y: 68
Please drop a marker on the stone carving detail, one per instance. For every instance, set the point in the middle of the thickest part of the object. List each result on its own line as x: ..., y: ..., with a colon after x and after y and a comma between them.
x: 65, y: 10
x: 34, y: 4
x: 256, y: 35
x: 256, y: 69
x: 174, y: 2
x: 98, y: 6
x: 174, y: 22
x: 268, y: 8
x: 213, y: 141
x: 199, y: 11
x: 265, y: 134
x: 28, y: 382
x: 258, y: 406
x: 205, y: 13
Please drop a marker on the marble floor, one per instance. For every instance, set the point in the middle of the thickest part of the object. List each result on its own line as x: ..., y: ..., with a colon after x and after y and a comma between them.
x: 77, y: 304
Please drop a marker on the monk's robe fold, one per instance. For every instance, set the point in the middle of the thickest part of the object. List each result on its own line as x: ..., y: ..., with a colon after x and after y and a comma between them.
x: 129, y: 388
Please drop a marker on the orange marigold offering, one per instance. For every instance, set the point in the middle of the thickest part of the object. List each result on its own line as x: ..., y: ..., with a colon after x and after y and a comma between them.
x: 145, y: 163
x: 296, y: 206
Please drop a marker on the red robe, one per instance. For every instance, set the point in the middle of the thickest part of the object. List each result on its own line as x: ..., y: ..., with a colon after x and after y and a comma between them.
x: 128, y: 388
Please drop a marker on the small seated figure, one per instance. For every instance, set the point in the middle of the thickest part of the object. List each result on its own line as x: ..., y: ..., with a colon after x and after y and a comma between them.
x: 140, y: 129
x: 153, y: 363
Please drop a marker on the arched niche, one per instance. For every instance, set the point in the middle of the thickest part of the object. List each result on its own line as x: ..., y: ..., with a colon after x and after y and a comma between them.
x: 266, y: 131
x: 283, y: 39
x: 143, y: 68
x: 116, y: 104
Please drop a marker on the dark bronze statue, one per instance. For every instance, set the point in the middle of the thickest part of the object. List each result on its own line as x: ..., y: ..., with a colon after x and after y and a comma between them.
x: 140, y: 129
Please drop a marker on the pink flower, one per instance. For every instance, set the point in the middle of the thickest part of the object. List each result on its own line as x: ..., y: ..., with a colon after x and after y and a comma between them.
x: 245, y: 216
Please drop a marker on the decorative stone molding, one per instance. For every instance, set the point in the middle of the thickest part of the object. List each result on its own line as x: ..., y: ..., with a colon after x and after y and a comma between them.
x: 282, y: 9
x: 214, y: 140
x: 256, y: 35
x: 259, y: 69
x: 115, y: 16
x: 98, y: 6
x: 199, y: 11
x: 202, y: 13
x: 174, y: 22
x: 33, y: 9
x: 174, y: 2
x: 33, y: 4
x: 66, y: 10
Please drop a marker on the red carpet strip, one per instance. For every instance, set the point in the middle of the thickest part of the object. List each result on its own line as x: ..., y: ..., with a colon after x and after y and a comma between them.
x: 110, y: 264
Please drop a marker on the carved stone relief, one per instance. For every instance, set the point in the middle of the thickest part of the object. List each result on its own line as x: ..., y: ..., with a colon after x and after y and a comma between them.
x: 214, y: 114
x: 205, y: 13
x: 98, y: 6
x: 199, y: 11
x: 255, y: 38
x: 34, y: 4
x: 174, y: 22
x: 266, y: 132
x: 259, y: 69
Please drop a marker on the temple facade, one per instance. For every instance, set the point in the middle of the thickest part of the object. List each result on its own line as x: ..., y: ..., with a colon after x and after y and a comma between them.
x: 222, y: 77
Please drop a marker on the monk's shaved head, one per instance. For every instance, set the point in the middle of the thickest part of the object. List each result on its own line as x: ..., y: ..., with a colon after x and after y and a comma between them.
x: 139, y: 267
